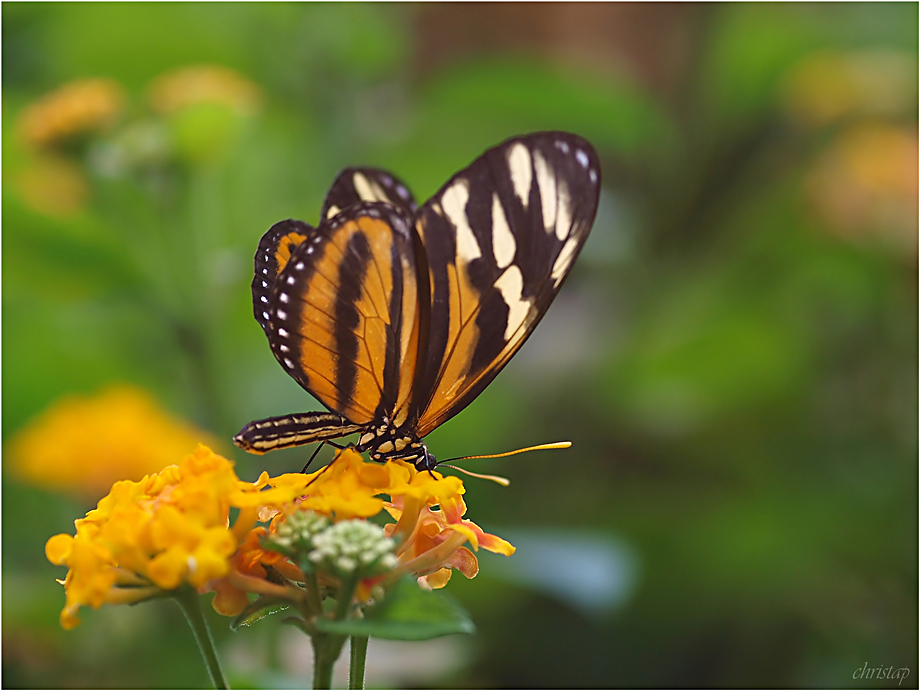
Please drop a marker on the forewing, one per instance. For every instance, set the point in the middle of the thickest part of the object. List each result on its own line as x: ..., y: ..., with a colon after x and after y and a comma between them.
x: 343, y: 313
x: 274, y: 251
x: 356, y: 185
x: 500, y: 238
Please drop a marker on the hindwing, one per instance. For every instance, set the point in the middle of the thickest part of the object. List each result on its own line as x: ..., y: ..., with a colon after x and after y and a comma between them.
x: 343, y: 313
x: 499, y: 239
x: 356, y: 185
x: 272, y: 256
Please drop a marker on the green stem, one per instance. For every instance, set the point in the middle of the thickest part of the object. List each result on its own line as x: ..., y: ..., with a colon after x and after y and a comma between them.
x: 328, y: 647
x: 343, y: 599
x: 358, y: 648
x: 190, y: 603
x: 314, y: 601
x: 322, y: 662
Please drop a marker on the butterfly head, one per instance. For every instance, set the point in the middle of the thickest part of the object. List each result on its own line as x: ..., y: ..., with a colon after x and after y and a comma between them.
x: 388, y: 444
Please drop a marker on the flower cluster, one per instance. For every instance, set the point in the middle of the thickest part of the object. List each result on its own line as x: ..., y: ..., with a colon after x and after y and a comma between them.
x: 150, y: 537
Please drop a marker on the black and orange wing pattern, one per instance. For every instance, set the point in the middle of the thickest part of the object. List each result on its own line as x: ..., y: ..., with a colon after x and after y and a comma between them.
x: 396, y: 318
x: 499, y: 239
x: 343, y: 313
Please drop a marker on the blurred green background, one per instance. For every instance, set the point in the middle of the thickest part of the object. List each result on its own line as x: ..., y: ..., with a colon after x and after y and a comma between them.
x: 734, y: 355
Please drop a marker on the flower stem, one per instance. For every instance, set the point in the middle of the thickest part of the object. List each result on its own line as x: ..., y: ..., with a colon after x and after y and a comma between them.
x: 190, y: 604
x: 328, y: 647
x: 322, y: 662
x: 358, y: 646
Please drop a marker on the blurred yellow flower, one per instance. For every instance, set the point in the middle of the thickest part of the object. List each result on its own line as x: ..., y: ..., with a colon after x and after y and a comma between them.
x: 202, y: 84
x: 82, y: 444
x: 52, y: 185
x: 864, y: 186
x: 827, y: 86
x: 76, y: 108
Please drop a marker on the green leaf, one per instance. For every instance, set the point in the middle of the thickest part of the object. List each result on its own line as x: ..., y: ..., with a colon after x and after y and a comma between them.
x: 258, y: 609
x: 408, y: 613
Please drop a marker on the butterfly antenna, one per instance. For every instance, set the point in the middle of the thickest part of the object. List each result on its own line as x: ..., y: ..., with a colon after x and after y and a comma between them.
x: 503, y: 481
x: 538, y: 447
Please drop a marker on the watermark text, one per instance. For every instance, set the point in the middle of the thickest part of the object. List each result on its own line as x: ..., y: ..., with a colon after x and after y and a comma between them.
x: 882, y: 672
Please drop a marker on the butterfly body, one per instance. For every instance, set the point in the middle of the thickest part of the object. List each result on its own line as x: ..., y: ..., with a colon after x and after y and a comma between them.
x: 397, y: 316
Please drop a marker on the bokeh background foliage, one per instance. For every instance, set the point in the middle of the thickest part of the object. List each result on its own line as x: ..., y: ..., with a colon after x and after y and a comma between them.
x: 734, y: 355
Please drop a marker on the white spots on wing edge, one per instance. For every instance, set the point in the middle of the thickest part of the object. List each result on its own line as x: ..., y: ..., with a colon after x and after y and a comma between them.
x: 511, y: 285
x: 521, y: 171
x: 453, y: 201
x: 333, y: 210
x: 503, y: 245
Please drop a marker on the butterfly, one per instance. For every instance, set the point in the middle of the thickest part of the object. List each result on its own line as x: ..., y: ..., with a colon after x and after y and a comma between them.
x: 396, y: 316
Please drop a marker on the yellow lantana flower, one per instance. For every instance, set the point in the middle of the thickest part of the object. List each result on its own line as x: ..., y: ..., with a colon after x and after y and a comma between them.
x: 82, y: 444
x: 149, y: 537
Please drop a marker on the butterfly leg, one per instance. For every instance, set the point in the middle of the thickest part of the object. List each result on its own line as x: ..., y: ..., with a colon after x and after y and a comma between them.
x: 316, y: 451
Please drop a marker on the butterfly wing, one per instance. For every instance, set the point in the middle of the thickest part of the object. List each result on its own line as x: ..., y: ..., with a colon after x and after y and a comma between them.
x: 499, y: 238
x: 355, y: 185
x: 343, y: 313
x: 273, y: 254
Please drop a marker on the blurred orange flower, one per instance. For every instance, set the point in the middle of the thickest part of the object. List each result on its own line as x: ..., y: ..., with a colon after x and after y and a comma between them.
x: 76, y: 108
x: 82, y: 444
x: 212, y: 84
x: 864, y: 186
